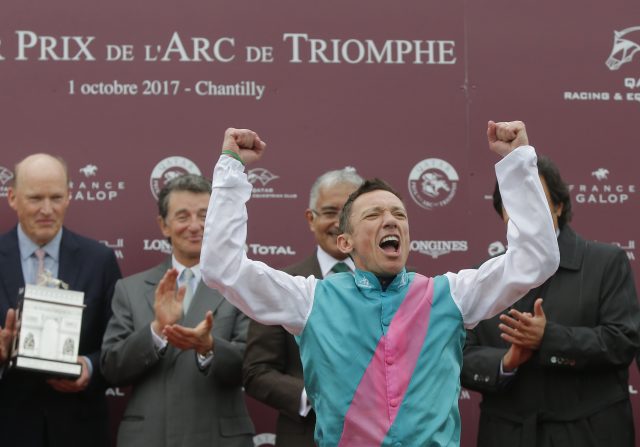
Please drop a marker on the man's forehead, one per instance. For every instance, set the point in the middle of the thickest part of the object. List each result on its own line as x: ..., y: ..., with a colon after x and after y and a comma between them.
x: 378, y: 199
x: 183, y: 199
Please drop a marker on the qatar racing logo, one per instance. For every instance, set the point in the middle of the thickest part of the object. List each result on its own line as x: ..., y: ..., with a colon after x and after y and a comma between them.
x: 626, y: 44
x: 433, y: 183
x: 260, y: 175
x: 168, y: 169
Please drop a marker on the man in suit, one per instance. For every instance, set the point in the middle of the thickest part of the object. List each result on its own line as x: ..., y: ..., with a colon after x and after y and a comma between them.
x: 36, y: 410
x: 180, y: 397
x: 555, y: 372
x: 272, y: 371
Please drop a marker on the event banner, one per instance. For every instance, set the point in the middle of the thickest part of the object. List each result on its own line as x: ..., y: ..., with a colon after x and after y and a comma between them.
x: 133, y: 94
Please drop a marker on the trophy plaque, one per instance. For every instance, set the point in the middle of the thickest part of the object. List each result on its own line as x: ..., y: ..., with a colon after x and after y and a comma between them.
x: 48, y: 322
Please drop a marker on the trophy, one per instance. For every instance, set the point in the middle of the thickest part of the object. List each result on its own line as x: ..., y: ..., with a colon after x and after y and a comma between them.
x: 48, y: 323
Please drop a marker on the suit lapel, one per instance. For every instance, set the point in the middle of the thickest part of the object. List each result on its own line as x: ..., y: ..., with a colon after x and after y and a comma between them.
x: 11, y: 268
x: 69, y: 267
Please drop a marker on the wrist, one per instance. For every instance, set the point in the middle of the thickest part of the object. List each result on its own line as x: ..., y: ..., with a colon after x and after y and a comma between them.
x: 233, y: 154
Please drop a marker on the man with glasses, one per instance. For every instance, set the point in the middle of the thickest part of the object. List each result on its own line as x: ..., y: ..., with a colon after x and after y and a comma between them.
x: 272, y: 371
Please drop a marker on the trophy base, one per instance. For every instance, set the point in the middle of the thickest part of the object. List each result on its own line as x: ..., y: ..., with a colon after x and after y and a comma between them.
x: 55, y: 368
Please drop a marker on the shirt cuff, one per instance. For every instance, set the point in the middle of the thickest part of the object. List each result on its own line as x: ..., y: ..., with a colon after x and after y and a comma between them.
x: 507, y: 374
x: 305, y: 405
x: 159, y: 342
x: 89, y: 365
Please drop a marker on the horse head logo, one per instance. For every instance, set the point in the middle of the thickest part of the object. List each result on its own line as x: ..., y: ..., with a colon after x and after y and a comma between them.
x: 600, y: 173
x: 89, y: 170
x: 626, y: 43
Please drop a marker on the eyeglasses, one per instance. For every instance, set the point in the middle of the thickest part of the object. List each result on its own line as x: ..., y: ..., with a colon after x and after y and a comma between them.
x: 328, y: 214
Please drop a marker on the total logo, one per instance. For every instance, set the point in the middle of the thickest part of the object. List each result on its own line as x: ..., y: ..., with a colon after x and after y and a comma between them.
x: 169, y: 168
x: 263, y: 250
x: 436, y: 249
x: 602, y: 190
x: 6, y: 175
x: 433, y: 183
x: 625, y: 45
x: 161, y: 245
x: 117, y: 247
x: 91, y: 188
x: 260, y: 178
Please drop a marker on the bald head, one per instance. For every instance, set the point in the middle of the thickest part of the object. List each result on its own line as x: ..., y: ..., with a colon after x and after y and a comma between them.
x: 40, y: 163
x: 40, y: 196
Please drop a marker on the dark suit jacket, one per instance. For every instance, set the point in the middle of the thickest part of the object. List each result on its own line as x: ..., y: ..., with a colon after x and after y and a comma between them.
x: 574, y: 390
x: 272, y: 372
x: 31, y: 412
x: 173, y: 403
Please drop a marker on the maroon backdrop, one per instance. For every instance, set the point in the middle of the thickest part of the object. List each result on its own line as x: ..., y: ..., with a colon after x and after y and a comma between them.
x: 132, y: 93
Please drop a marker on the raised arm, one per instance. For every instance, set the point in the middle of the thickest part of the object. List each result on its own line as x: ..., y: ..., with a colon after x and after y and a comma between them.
x: 532, y: 254
x: 262, y: 293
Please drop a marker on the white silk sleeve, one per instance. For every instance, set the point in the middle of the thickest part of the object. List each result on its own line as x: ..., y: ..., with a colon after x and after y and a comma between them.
x: 532, y: 255
x: 264, y: 294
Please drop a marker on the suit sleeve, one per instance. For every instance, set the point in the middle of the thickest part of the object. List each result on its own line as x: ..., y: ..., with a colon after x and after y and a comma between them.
x: 127, y: 353
x: 615, y: 340
x: 226, y: 366
x: 110, y: 275
x: 265, y: 370
x: 264, y: 294
x: 481, y: 363
x: 532, y: 256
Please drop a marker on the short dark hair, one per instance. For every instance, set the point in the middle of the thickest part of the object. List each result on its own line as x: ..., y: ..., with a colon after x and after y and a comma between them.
x: 187, y: 182
x: 558, y: 190
x: 368, y: 186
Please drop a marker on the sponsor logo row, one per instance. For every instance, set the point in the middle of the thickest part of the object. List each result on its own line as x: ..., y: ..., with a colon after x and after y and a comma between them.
x: 432, y: 183
x: 431, y: 248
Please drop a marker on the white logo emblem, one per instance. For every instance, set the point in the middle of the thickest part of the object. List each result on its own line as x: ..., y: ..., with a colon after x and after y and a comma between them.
x: 264, y: 439
x: 5, y: 177
x: 600, y: 173
x: 161, y: 245
x: 433, y: 183
x: 168, y: 169
x: 496, y: 248
x: 260, y: 175
x: 117, y: 247
x: 89, y: 170
x: 626, y: 43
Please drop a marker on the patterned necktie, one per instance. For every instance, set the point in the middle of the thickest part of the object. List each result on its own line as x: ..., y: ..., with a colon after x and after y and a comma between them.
x: 340, y: 267
x: 40, y: 254
x: 187, y: 276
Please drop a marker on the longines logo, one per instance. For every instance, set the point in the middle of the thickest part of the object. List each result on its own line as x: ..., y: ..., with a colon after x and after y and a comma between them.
x: 436, y: 249
x: 161, y: 245
x: 6, y: 176
x: 117, y: 247
x: 168, y: 169
x: 260, y: 178
x: 93, y: 189
x: 626, y: 43
x: 263, y: 250
x: 433, y: 183
x: 602, y: 190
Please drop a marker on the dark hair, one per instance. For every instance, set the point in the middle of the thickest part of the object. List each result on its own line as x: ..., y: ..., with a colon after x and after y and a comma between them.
x: 187, y: 182
x: 368, y: 186
x: 558, y: 190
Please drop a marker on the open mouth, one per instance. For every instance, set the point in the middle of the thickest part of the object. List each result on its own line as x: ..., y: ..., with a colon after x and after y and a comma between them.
x: 390, y: 244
